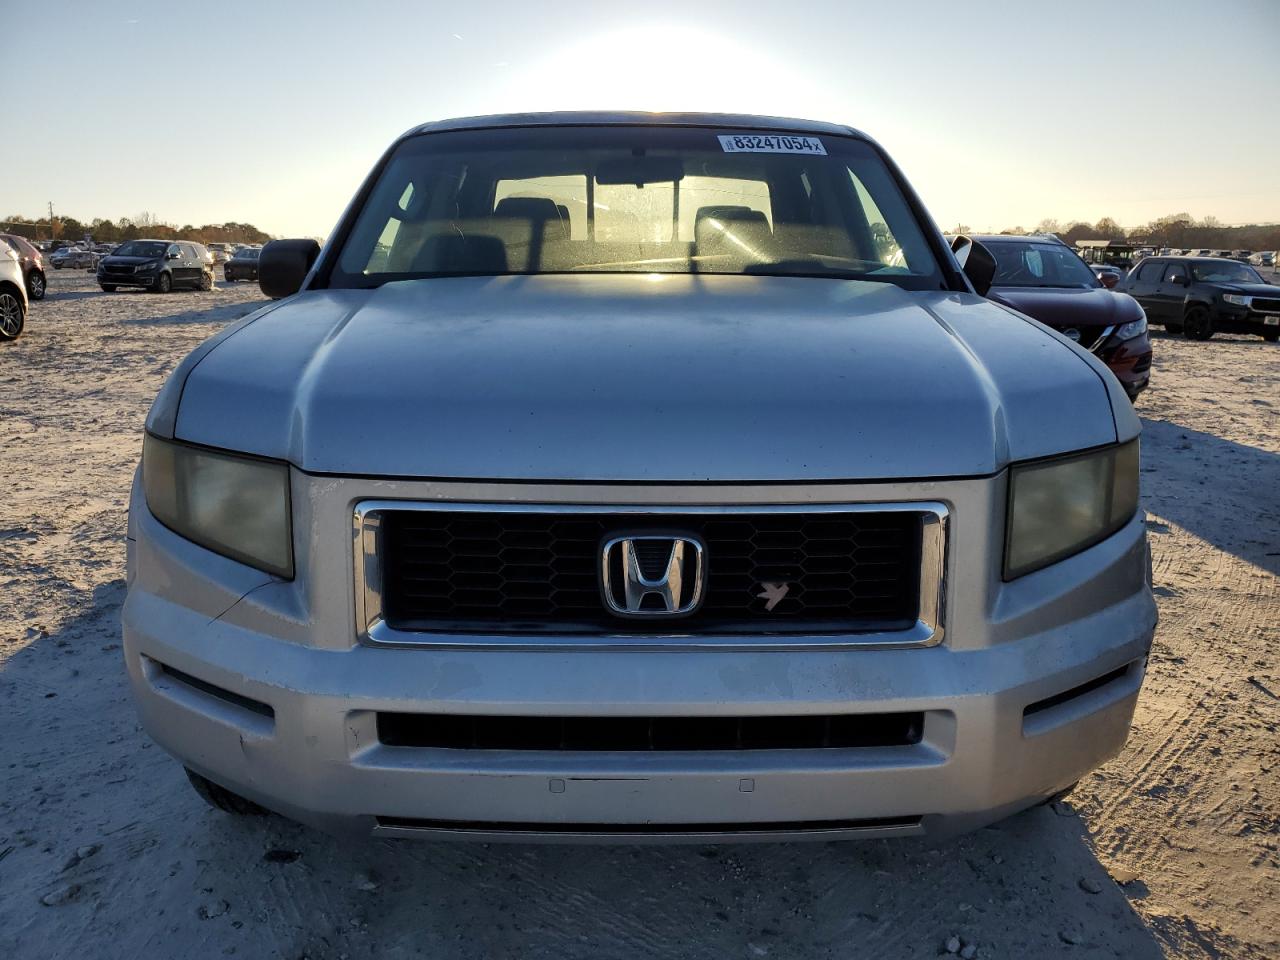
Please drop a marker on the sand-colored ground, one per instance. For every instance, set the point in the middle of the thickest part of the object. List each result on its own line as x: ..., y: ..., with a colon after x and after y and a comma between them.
x: 106, y: 852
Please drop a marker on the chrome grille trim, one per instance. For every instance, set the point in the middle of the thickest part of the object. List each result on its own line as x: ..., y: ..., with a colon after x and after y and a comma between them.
x: 372, y: 629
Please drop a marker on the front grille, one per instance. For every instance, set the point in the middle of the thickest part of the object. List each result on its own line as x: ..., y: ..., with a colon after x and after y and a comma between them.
x: 119, y: 269
x: 650, y: 734
x: 505, y: 572
x: 1266, y: 305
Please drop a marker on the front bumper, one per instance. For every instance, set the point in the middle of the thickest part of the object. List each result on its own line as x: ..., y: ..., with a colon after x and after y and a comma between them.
x: 1130, y: 362
x: 237, y: 677
x: 146, y: 281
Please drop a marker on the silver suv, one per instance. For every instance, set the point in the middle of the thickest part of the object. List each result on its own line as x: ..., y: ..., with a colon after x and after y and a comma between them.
x: 13, y: 295
x: 618, y: 476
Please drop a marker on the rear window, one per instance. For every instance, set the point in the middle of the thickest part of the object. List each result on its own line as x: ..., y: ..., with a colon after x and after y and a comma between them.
x: 634, y: 200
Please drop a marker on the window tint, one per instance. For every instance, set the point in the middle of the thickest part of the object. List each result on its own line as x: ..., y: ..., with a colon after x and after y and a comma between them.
x: 1032, y: 263
x: 1149, y: 272
x: 631, y: 199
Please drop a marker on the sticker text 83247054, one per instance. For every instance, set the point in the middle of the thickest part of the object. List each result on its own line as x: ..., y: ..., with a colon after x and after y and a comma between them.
x: 771, y: 143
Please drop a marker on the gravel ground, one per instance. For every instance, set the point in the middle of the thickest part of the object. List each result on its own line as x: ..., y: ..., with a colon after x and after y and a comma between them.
x: 1169, y: 850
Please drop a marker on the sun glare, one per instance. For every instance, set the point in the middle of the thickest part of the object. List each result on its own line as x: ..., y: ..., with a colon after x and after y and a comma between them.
x: 658, y: 67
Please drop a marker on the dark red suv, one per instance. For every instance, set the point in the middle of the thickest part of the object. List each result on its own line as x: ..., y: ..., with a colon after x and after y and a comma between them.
x: 32, y: 263
x: 1045, y: 279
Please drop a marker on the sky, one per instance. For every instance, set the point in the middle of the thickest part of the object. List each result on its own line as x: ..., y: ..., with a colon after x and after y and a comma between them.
x: 999, y: 113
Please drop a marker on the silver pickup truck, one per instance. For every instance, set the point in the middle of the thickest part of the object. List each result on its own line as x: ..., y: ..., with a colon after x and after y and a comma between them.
x: 632, y: 476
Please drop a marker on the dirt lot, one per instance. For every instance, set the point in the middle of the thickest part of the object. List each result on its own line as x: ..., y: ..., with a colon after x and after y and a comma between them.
x: 1170, y: 850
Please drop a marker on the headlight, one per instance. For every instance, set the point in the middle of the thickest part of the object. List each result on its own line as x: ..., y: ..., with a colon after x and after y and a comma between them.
x: 236, y: 506
x: 1134, y: 328
x: 145, y: 267
x: 1239, y: 299
x: 1059, y: 507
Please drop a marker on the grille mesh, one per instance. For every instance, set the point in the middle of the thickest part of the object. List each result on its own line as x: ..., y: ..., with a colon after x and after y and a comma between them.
x: 530, y: 572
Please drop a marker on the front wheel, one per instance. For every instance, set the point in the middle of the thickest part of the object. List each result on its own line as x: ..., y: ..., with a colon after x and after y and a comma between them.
x: 1197, y: 324
x: 12, y: 316
x: 36, y: 285
x: 206, y: 281
x: 164, y: 283
x: 108, y: 287
x: 1271, y: 336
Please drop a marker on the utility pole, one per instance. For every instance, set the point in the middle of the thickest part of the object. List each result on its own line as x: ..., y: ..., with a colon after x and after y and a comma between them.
x: 51, y: 236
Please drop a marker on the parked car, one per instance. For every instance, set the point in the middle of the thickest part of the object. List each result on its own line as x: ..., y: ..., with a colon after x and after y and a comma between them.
x: 221, y: 252
x: 158, y: 265
x: 1047, y: 281
x: 243, y: 266
x: 1202, y: 296
x: 13, y: 295
x: 756, y: 521
x: 32, y: 262
x: 1107, y: 275
x: 1263, y: 258
x: 74, y: 258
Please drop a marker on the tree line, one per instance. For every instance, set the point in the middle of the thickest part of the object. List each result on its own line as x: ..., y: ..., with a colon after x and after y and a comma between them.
x: 144, y: 225
x: 1177, y: 230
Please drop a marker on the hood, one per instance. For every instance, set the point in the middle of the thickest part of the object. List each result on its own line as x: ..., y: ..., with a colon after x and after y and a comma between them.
x: 1265, y: 290
x: 1063, y: 309
x: 644, y: 378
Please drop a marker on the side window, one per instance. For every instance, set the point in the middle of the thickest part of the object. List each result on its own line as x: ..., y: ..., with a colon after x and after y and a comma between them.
x: 888, y: 251
x: 1150, y: 272
x: 1176, y: 271
x: 173, y: 248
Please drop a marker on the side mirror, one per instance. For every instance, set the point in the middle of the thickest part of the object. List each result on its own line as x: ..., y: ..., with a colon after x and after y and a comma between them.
x: 284, y: 264
x: 977, y: 263
x: 1181, y: 280
x: 171, y: 256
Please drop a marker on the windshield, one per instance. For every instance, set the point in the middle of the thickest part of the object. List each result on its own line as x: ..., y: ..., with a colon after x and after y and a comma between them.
x: 634, y: 200
x: 1021, y: 263
x: 1227, y: 271
x: 141, y: 248
x: 247, y: 253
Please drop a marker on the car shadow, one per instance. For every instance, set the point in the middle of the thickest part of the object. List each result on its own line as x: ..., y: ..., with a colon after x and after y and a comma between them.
x: 185, y: 875
x: 225, y: 312
x: 1224, y: 492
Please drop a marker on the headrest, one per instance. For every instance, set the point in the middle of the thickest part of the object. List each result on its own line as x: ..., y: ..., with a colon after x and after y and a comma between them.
x: 538, y: 211
x: 713, y: 225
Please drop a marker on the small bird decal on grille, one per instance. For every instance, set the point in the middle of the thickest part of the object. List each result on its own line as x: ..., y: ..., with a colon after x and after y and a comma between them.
x: 773, y: 594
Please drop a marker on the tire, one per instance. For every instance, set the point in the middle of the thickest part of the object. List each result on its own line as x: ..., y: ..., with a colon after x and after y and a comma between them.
x: 13, y: 318
x: 1271, y: 336
x: 108, y: 287
x: 220, y: 798
x: 57, y: 266
x: 164, y: 283
x: 1197, y: 324
x: 36, y: 285
x: 206, y: 282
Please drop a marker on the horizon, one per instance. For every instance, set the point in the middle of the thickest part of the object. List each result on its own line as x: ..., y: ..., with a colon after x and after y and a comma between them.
x: 287, y: 117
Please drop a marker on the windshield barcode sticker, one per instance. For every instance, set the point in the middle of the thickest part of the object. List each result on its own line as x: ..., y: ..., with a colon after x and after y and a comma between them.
x: 771, y: 143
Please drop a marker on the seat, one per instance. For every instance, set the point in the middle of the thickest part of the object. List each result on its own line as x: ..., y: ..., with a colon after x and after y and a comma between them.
x: 451, y: 253
x: 547, y: 220
x: 738, y: 233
